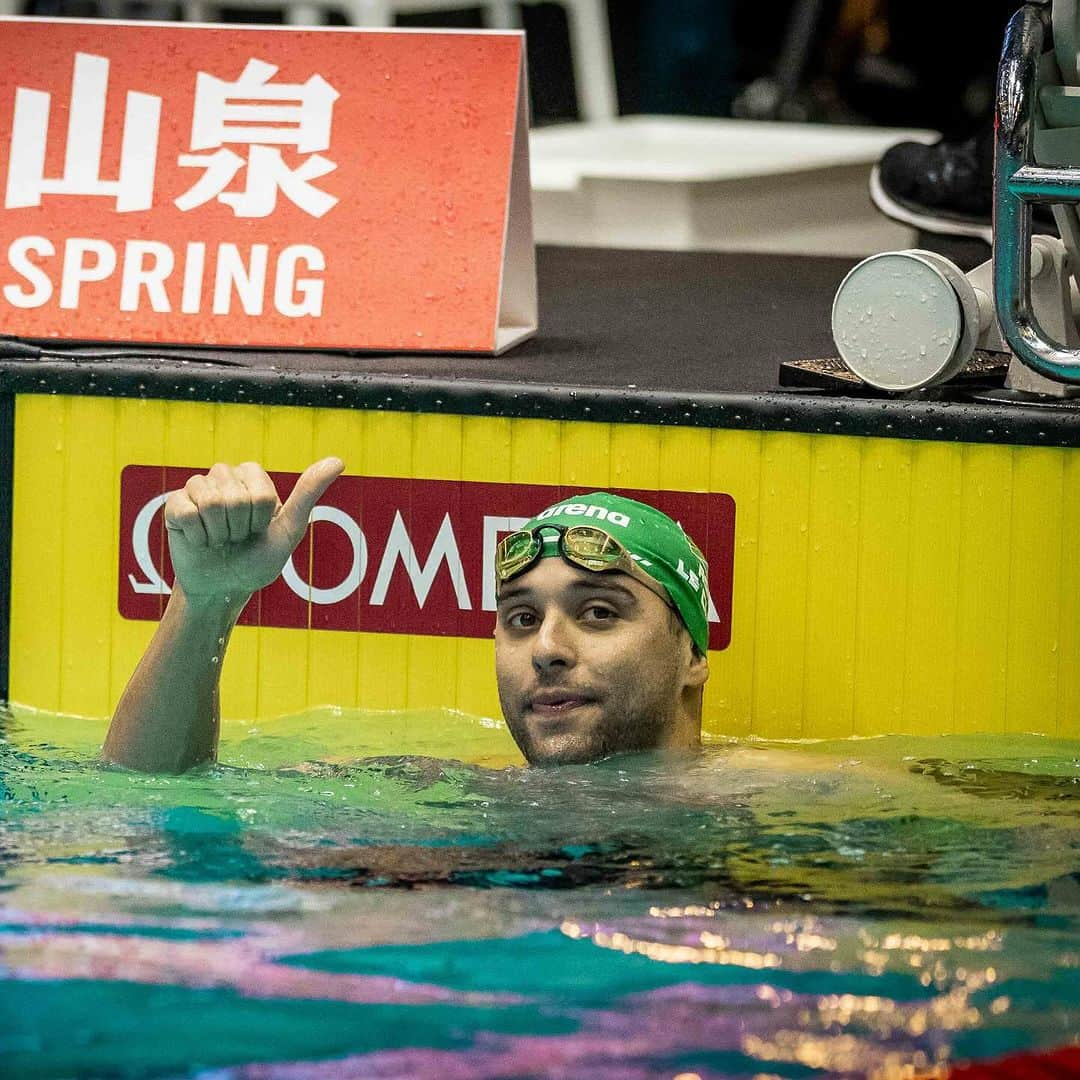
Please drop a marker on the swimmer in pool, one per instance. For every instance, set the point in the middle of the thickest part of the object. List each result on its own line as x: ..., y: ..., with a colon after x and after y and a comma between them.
x: 600, y: 637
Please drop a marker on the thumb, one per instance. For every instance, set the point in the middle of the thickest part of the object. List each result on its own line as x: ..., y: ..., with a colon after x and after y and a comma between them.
x: 293, y: 516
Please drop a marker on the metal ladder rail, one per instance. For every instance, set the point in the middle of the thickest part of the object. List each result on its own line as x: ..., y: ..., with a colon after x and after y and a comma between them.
x: 1019, y: 182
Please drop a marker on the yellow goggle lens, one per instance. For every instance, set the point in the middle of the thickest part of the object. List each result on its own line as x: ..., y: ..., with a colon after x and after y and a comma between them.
x: 592, y: 548
x: 514, y: 553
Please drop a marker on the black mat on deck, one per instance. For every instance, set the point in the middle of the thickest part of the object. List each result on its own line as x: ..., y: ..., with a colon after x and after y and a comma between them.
x: 688, y: 321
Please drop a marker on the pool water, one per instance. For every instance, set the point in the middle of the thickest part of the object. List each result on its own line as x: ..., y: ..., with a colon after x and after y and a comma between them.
x: 316, y: 906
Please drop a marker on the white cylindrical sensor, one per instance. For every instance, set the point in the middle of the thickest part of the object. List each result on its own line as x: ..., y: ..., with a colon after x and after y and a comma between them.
x: 902, y: 320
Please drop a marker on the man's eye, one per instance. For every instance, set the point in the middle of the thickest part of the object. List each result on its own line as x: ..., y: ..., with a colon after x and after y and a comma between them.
x: 600, y: 613
x: 521, y: 620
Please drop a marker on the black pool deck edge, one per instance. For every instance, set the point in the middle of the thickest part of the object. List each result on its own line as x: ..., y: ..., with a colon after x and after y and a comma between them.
x: 808, y: 411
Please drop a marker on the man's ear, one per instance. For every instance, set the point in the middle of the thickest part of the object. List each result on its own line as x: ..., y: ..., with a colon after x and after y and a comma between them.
x: 698, y: 670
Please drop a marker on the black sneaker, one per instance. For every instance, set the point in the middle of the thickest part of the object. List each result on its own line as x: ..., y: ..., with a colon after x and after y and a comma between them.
x: 945, y: 188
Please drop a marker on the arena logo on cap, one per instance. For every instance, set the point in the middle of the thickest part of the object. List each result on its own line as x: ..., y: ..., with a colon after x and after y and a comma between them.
x: 615, y: 517
x: 400, y: 556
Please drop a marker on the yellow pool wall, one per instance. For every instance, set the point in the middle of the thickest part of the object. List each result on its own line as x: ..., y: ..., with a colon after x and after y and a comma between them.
x: 880, y: 585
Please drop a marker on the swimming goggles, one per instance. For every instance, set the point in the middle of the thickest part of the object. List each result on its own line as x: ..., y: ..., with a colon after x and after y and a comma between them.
x: 580, y: 545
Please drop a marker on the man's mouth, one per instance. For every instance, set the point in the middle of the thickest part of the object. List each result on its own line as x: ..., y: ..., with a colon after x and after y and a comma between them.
x: 556, y: 703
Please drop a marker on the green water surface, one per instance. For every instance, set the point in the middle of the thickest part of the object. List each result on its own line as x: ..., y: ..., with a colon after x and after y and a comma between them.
x: 316, y: 905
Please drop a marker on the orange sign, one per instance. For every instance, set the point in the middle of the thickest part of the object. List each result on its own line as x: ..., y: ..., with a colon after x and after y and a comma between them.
x: 323, y: 188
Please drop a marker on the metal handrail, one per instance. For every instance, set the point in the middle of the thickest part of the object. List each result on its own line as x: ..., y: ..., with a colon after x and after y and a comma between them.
x: 1019, y: 182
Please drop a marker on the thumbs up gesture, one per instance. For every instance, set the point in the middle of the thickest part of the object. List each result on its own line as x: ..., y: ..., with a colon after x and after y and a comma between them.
x: 230, y: 534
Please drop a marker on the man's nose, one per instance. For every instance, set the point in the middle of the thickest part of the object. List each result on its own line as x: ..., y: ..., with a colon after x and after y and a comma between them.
x: 553, y: 645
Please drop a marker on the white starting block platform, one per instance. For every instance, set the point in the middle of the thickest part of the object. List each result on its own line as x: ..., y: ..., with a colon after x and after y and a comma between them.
x: 684, y: 183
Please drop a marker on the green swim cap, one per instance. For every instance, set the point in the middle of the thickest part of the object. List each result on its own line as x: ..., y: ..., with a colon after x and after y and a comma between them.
x: 656, y: 543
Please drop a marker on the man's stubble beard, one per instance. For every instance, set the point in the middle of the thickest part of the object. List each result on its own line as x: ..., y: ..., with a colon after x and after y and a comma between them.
x: 617, y: 733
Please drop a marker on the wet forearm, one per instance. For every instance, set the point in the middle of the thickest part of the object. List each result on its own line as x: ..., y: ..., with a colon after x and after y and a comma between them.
x: 167, y: 719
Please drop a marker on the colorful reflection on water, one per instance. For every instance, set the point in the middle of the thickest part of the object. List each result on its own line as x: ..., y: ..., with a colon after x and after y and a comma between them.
x: 876, y: 908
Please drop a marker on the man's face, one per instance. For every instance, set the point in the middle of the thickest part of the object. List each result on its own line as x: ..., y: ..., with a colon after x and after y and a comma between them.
x: 589, y: 664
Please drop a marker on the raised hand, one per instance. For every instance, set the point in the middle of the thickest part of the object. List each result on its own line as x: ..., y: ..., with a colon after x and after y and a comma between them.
x: 230, y: 534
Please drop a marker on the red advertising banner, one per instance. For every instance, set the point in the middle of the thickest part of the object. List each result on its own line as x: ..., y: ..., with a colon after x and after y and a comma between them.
x: 396, y: 556
x: 216, y: 185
